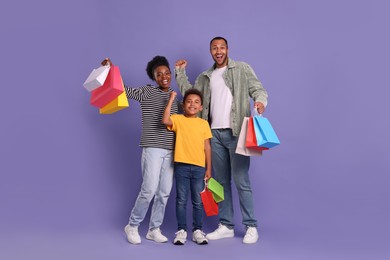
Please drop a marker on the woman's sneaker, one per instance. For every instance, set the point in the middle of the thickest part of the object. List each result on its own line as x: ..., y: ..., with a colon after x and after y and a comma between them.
x: 199, y: 237
x: 156, y: 236
x: 132, y: 234
x: 181, y: 237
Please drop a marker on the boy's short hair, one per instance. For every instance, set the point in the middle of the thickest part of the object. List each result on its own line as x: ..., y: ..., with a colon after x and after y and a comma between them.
x: 193, y: 91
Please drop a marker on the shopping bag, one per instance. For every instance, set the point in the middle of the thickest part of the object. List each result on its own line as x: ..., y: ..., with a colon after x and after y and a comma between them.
x: 96, y: 78
x: 111, y: 88
x: 209, y: 205
x: 119, y: 103
x: 265, y: 134
x: 241, y: 143
x: 216, y: 189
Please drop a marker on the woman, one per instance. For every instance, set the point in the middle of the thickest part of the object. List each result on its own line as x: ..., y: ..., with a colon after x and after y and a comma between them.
x: 157, y: 151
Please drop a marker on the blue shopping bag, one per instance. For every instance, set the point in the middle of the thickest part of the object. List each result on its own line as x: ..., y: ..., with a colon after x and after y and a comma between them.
x: 265, y: 133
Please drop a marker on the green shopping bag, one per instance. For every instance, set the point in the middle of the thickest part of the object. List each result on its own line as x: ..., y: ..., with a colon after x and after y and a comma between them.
x: 216, y: 189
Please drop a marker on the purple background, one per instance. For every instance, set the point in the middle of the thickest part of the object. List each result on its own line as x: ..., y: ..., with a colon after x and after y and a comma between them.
x: 69, y: 176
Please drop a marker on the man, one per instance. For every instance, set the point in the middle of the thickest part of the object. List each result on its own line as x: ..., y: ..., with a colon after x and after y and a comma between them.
x: 226, y: 88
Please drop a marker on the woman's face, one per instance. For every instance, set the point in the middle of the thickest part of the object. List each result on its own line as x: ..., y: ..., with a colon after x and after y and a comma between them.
x: 162, y: 76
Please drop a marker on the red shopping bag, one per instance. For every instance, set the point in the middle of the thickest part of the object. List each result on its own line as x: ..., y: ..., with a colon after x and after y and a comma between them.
x: 209, y: 204
x: 251, y: 141
x: 241, y: 147
x: 111, y: 88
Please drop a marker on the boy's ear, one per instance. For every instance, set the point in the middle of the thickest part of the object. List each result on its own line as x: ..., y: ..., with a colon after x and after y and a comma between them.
x: 201, y: 108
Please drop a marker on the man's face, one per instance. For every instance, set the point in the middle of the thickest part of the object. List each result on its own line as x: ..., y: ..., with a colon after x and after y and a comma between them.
x: 219, y: 52
x: 162, y: 76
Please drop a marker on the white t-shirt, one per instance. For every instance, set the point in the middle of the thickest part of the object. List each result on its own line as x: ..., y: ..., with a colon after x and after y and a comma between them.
x: 221, y: 100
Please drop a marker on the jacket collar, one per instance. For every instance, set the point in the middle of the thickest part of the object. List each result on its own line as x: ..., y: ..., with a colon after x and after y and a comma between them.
x: 231, y: 64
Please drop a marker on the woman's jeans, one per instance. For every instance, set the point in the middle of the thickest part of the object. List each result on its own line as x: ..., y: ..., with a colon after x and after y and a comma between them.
x: 226, y: 165
x: 157, y: 175
x: 189, y: 179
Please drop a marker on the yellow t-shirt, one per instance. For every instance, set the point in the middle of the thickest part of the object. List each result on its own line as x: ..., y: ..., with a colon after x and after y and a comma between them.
x: 190, y: 136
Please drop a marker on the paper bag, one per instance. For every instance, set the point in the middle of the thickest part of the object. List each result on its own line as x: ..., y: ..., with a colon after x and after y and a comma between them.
x: 209, y: 205
x: 241, y: 144
x: 111, y: 89
x: 216, y: 189
x: 265, y: 134
x: 119, y: 103
x: 96, y: 78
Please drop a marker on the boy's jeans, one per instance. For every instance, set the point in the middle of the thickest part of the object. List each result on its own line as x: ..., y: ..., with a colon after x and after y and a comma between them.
x: 189, y: 179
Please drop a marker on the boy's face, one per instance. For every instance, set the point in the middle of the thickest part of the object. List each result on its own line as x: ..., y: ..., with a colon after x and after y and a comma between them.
x: 192, y: 105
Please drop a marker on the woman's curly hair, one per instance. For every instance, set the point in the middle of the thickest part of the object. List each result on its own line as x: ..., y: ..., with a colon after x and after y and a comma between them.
x: 154, y: 63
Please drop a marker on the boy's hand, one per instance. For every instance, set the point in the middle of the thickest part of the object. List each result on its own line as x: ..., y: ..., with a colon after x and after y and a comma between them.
x: 207, y: 175
x: 172, y: 95
x: 180, y: 64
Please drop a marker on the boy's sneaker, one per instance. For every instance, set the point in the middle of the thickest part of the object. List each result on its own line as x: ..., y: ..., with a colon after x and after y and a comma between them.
x: 132, y: 234
x: 251, y: 236
x: 199, y: 237
x: 156, y: 236
x: 180, y: 238
x: 221, y: 232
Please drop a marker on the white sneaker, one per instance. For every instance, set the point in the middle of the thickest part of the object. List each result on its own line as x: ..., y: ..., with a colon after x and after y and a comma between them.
x: 199, y: 237
x: 251, y: 236
x: 156, y: 236
x: 132, y: 234
x: 180, y: 238
x: 221, y: 232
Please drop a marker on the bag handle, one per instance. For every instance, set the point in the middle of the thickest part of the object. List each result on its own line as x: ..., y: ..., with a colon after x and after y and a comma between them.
x: 205, y: 185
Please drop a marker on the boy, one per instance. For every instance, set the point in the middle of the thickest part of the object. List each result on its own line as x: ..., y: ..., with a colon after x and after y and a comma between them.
x: 192, y: 162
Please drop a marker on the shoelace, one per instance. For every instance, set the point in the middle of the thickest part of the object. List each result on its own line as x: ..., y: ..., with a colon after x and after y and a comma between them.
x: 250, y: 231
x: 181, y: 232
x: 199, y: 232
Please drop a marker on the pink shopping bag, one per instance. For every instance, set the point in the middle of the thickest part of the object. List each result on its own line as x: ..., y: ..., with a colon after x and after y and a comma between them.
x: 111, y: 89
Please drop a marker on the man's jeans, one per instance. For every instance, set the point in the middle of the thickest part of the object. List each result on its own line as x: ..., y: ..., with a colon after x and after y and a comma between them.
x: 226, y: 165
x: 189, y: 179
x: 157, y: 175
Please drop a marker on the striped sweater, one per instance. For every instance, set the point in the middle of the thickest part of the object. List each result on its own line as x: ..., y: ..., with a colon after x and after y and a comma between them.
x: 153, y: 102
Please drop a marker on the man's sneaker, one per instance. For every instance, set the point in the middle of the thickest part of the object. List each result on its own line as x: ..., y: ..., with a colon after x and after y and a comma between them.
x: 199, y: 237
x: 221, y: 232
x: 156, y: 236
x: 251, y: 236
x: 132, y: 234
x: 180, y: 238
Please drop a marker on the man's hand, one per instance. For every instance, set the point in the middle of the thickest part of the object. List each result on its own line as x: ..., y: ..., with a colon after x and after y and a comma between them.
x: 180, y: 64
x: 260, y: 107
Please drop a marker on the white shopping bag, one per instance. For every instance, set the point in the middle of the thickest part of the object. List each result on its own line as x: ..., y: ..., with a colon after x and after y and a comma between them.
x: 96, y: 78
x: 241, y: 147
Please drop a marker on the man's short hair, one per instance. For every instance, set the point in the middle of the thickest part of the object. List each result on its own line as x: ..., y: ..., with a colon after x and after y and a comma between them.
x: 219, y: 38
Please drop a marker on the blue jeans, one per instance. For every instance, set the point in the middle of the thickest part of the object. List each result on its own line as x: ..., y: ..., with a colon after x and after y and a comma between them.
x: 189, y: 178
x: 226, y: 165
x: 157, y: 175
